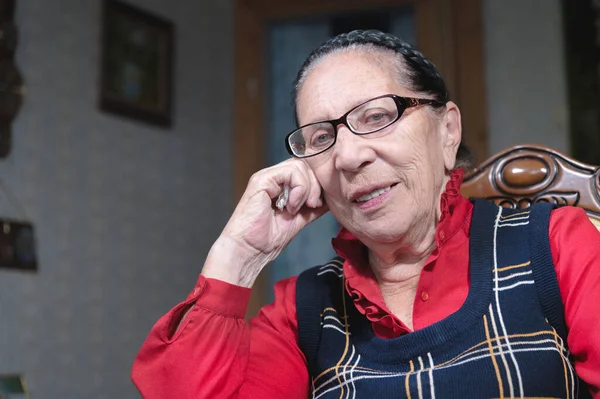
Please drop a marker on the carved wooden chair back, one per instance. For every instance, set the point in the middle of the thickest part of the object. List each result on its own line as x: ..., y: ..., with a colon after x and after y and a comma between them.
x: 525, y: 174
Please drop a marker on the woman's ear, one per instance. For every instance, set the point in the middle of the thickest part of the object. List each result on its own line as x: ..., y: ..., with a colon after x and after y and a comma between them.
x: 451, y: 134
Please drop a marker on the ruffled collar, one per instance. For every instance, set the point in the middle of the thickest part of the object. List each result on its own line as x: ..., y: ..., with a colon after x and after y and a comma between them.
x: 360, y: 280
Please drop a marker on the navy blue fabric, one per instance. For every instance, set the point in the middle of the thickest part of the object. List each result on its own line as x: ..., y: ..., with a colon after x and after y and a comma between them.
x: 308, y: 308
x: 545, y: 277
x: 513, y: 293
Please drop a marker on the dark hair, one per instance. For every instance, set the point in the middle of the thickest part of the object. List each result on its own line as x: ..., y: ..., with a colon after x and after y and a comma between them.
x: 420, y: 74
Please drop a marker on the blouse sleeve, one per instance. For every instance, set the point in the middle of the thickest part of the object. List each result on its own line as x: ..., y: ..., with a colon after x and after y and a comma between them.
x: 575, y: 246
x: 215, y: 353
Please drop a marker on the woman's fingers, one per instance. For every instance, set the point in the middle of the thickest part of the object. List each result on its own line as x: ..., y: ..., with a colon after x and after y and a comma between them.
x: 315, y: 199
x: 307, y: 194
x: 258, y: 229
x: 304, y: 188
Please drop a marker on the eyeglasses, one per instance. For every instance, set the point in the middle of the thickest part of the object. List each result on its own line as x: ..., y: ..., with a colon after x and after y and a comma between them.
x: 366, y: 118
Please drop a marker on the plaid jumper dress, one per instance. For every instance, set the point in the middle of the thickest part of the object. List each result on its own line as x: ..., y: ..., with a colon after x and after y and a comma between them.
x: 508, y: 340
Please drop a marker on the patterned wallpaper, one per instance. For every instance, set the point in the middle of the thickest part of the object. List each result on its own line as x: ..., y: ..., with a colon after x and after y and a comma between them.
x: 124, y: 212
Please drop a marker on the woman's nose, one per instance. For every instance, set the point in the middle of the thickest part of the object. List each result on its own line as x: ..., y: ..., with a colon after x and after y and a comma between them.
x: 351, y: 151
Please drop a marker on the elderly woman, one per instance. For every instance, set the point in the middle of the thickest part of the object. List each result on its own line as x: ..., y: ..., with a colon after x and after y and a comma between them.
x: 432, y: 294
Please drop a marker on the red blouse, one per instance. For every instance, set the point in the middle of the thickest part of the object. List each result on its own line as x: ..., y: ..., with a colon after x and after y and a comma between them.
x: 216, y: 354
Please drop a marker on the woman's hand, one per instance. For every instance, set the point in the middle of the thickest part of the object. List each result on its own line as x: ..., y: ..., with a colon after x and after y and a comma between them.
x: 257, y: 231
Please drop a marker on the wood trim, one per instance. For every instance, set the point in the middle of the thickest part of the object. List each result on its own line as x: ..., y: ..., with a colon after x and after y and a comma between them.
x: 248, y: 125
x: 285, y: 9
x: 248, y: 137
x: 449, y: 33
x: 470, y: 90
x: 433, y: 33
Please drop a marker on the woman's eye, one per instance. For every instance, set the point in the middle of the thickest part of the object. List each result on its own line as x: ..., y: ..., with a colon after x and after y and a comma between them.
x: 377, y: 117
x: 374, y: 119
x: 321, y: 139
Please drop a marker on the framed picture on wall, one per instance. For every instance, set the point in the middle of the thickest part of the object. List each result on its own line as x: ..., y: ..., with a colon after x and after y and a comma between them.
x: 137, y: 64
x: 13, y: 386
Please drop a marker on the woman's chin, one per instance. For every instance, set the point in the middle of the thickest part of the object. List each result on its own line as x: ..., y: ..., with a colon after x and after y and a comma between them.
x: 380, y: 232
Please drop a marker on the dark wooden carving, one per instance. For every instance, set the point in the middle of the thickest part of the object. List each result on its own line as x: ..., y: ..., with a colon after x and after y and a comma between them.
x: 522, y: 175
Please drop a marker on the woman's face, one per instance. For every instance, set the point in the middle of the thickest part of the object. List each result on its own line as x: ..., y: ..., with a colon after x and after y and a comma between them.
x: 385, y: 185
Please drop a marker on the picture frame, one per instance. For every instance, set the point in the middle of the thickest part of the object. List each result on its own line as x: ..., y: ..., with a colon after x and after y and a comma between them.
x: 13, y: 386
x: 136, y: 64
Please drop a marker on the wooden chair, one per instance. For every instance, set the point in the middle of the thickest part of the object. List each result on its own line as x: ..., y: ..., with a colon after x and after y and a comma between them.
x: 525, y: 174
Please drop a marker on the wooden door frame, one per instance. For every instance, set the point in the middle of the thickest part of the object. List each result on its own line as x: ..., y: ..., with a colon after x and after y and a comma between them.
x: 449, y: 33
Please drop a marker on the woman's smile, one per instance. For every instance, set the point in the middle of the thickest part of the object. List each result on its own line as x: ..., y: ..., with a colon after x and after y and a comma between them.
x: 375, y: 198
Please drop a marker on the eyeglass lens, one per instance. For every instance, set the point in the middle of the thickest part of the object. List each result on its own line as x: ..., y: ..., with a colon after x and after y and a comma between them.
x: 367, y: 118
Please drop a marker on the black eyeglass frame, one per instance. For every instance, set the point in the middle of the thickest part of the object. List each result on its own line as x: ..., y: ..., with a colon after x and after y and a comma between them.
x: 402, y: 104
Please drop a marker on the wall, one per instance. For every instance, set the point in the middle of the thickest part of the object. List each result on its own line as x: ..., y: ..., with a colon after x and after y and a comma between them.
x: 124, y: 212
x: 525, y: 73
